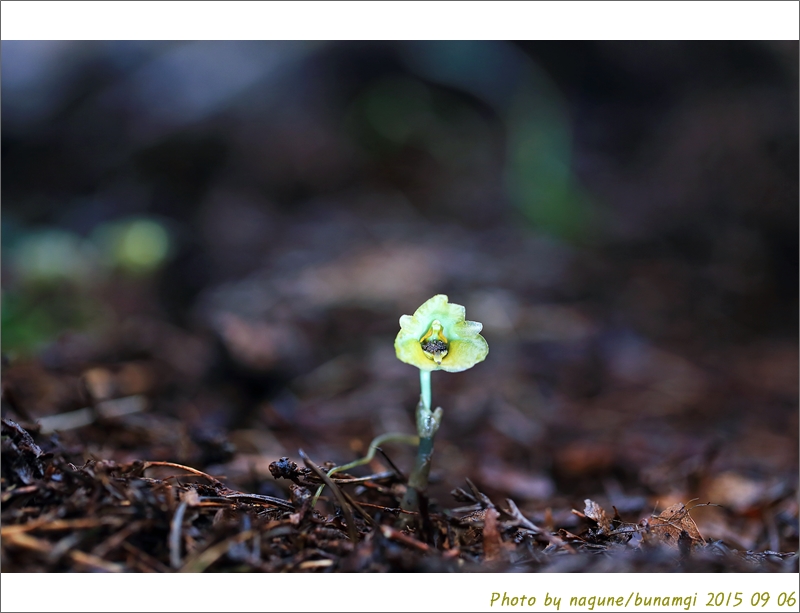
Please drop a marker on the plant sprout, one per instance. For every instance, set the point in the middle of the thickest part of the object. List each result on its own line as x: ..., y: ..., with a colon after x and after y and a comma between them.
x: 436, y: 337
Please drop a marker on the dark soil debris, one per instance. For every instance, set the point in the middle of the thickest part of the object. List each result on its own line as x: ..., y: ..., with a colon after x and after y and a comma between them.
x: 110, y: 517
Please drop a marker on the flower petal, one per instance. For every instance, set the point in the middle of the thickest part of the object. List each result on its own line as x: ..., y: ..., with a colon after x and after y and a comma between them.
x: 407, y: 322
x: 464, y: 354
x: 467, y: 329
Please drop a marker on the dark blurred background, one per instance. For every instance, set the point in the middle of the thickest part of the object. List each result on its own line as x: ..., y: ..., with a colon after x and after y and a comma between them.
x: 223, y: 235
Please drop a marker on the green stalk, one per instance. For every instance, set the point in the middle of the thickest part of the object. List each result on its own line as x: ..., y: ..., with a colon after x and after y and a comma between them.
x: 427, y: 425
x: 425, y: 388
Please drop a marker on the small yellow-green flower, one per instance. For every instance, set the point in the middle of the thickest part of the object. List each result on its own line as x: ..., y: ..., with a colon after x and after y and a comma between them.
x: 438, y: 337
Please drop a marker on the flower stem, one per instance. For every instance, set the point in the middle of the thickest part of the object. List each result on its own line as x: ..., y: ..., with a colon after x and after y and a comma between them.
x: 427, y: 425
x: 425, y: 387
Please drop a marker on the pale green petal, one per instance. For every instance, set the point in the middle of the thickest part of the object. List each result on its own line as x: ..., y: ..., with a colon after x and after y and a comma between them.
x: 406, y: 322
x: 465, y: 354
x: 467, y: 329
x: 438, y: 308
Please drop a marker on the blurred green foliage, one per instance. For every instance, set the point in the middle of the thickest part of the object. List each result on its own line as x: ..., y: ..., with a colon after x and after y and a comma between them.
x: 540, y: 178
x: 35, y: 316
x: 450, y: 118
x: 54, y: 276
x: 136, y: 246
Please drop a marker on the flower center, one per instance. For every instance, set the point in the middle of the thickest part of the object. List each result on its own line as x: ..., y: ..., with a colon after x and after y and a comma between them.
x: 434, y: 343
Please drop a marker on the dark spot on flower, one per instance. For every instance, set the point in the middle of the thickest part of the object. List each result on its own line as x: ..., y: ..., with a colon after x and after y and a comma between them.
x: 434, y: 346
x: 435, y: 349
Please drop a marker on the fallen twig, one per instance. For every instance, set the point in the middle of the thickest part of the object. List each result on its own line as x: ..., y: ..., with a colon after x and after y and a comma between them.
x: 194, y: 471
x: 348, y: 514
x: 395, y: 535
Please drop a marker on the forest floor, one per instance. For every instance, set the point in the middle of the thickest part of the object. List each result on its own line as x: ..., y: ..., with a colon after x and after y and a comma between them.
x: 133, y: 473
